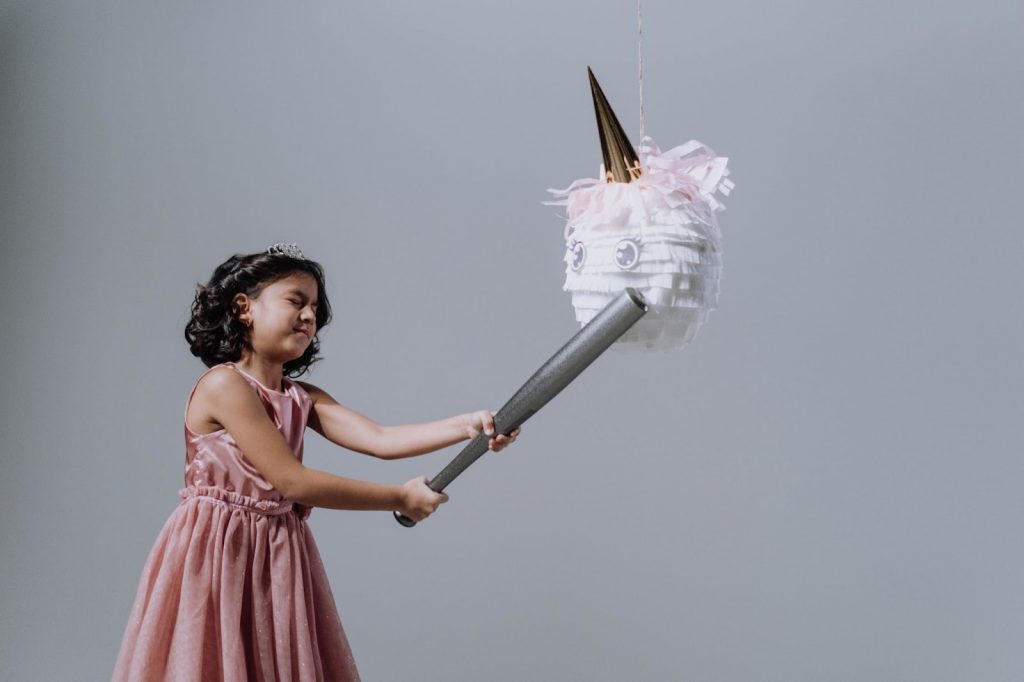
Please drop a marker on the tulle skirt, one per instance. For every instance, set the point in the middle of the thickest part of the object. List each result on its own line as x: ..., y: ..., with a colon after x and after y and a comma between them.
x: 233, y: 592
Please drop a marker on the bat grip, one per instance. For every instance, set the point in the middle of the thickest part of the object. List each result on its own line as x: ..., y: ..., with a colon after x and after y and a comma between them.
x: 404, y: 520
x: 476, y: 447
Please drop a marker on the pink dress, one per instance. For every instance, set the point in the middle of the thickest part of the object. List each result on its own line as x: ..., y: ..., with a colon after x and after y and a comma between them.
x: 234, y: 588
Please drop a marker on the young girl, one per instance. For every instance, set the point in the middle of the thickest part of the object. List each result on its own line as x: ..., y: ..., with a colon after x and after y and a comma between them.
x: 234, y: 588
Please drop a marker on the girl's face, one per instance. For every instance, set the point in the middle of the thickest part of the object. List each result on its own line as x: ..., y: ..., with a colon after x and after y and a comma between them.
x: 282, y: 317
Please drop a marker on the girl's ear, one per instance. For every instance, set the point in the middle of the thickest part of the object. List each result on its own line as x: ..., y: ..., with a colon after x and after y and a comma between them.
x: 241, y: 302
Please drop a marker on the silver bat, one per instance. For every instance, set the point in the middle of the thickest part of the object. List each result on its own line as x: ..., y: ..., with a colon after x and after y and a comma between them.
x: 548, y: 381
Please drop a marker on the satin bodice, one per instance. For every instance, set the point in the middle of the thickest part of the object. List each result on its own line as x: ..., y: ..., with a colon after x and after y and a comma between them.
x: 217, y: 469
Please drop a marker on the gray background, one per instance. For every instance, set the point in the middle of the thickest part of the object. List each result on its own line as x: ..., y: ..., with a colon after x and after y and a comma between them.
x: 826, y: 485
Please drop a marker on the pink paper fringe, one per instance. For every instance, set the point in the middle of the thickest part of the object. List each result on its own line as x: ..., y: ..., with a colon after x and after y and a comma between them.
x: 687, y: 174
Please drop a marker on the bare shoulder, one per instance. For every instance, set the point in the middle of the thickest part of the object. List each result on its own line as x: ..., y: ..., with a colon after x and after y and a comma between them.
x: 221, y: 380
x: 219, y: 389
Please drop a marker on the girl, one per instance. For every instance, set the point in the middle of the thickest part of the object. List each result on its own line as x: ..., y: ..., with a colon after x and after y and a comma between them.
x: 234, y: 588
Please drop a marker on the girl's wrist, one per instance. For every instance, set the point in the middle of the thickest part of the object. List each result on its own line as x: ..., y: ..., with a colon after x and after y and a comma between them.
x: 466, y: 421
x: 400, y: 497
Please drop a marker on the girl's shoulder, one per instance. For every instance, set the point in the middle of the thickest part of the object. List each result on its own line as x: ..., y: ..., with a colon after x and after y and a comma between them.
x: 218, y: 381
x: 218, y: 376
x: 225, y: 378
x: 314, y: 393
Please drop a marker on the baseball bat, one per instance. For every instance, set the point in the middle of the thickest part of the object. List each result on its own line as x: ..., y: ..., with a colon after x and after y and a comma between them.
x: 558, y: 372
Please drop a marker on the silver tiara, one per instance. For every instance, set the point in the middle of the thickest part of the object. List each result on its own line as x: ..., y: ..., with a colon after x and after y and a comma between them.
x: 282, y: 249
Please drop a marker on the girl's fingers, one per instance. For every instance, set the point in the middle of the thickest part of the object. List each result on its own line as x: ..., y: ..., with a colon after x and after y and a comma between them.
x: 496, y: 441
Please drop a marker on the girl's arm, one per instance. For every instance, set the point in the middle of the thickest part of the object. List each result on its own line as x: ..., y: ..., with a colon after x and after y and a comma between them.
x: 351, y: 430
x: 233, y: 403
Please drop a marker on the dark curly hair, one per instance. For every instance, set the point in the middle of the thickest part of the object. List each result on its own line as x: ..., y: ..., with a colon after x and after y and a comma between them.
x: 216, y: 335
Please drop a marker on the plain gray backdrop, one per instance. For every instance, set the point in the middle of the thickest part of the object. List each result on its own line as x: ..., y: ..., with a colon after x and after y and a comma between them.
x: 826, y: 485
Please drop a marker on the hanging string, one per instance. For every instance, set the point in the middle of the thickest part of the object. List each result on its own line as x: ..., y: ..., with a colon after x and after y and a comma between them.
x: 640, y: 67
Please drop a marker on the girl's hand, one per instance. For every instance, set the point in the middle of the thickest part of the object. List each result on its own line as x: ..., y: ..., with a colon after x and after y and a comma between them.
x: 418, y: 500
x: 483, y: 420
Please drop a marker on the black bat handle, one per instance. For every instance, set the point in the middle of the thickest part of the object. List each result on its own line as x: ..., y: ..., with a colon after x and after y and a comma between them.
x: 404, y: 520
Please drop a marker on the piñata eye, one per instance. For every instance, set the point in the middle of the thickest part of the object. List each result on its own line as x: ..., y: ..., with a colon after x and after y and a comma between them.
x: 579, y: 255
x: 627, y: 253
